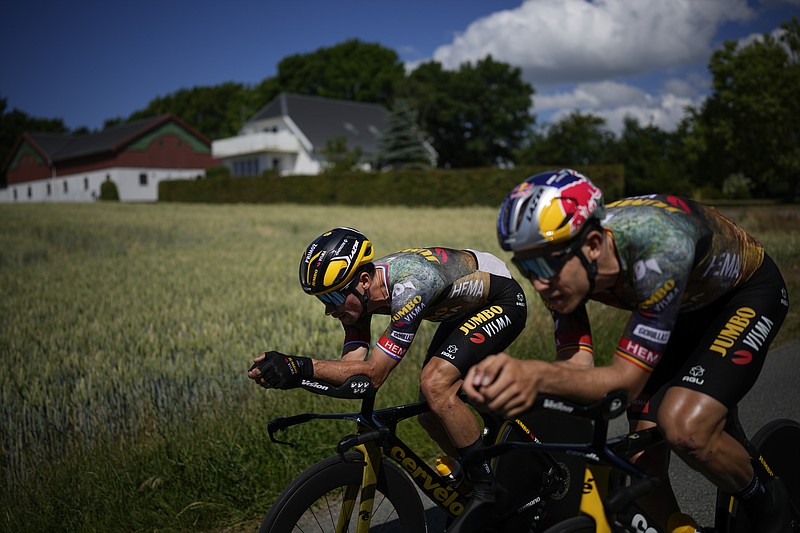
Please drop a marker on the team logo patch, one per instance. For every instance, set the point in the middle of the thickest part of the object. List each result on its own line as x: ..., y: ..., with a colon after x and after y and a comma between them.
x: 477, y: 338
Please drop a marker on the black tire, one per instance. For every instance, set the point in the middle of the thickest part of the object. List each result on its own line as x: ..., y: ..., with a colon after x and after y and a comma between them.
x: 778, y: 442
x: 311, y: 502
x: 576, y: 524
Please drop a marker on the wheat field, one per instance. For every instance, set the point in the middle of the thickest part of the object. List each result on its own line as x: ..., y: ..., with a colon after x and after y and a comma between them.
x: 127, y: 331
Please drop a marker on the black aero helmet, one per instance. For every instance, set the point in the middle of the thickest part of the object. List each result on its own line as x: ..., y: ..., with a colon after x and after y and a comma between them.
x: 330, y: 262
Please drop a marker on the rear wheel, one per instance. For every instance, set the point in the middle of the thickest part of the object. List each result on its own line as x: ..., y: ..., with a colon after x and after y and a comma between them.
x: 576, y: 524
x: 778, y: 442
x: 314, y: 500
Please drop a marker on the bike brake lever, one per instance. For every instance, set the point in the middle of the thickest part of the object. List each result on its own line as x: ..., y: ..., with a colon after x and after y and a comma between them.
x: 275, y: 425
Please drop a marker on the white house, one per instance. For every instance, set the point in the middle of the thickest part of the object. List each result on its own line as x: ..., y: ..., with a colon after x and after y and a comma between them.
x: 288, y: 134
x: 136, y: 156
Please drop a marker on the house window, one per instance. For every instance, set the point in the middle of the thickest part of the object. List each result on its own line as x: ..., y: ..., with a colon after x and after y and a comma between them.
x: 85, y: 184
x: 30, y: 193
x: 276, y: 164
x: 15, y: 194
x: 66, y: 187
x: 108, y: 177
x: 49, y: 189
x: 246, y: 167
x: 143, y: 179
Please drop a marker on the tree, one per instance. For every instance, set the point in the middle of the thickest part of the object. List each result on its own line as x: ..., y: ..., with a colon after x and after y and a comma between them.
x: 216, y: 112
x: 476, y: 116
x: 401, y: 144
x: 352, y: 70
x: 750, y: 125
x: 577, y: 139
x: 653, y: 160
x: 339, y: 158
x: 14, y: 123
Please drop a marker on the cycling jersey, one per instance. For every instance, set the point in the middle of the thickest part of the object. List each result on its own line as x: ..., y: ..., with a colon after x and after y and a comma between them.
x: 678, y: 257
x: 481, y: 307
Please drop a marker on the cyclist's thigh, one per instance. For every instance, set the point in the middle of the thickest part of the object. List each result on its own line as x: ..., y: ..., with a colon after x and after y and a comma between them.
x: 488, y: 330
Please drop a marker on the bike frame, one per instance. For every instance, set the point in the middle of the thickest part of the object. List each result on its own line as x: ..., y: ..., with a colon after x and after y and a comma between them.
x: 377, y: 438
x: 600, y: 499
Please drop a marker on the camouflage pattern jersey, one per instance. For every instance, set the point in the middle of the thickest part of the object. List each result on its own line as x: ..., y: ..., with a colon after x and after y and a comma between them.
x: 675, y: 255
x: 435, y: 284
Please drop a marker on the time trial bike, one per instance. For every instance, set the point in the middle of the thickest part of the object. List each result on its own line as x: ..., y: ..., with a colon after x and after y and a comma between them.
x: 557, y: 467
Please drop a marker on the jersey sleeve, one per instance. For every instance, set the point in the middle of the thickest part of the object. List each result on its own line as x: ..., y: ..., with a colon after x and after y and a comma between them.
x: 409, y: 300
x: 572, y: 332
x: 659, y: 280
x: 357, y: 335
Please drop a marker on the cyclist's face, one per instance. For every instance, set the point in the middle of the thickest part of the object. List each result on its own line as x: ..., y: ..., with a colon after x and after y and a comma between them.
x: 567, y: 289
x: 348, y: 311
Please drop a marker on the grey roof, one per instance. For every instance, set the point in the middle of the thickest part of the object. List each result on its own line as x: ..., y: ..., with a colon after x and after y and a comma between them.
x: 322, y: 119
x: 65, y: 147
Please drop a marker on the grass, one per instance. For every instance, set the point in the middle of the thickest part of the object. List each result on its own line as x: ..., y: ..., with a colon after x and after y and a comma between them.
x: 127, y: 331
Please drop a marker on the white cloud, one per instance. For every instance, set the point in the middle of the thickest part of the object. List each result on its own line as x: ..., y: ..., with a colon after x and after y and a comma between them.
x: 614, y: 101
x: 577, y: 40
x: 577, y: 52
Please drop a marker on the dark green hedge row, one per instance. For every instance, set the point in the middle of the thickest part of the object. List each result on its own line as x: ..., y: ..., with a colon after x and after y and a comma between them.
x: 435, y: 187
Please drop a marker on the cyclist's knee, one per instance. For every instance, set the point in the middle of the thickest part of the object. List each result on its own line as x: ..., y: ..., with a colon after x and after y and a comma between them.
x: 439, y: 382
x: 687, y: 436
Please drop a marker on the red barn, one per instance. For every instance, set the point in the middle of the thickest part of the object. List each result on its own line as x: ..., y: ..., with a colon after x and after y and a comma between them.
x: 136, y: 156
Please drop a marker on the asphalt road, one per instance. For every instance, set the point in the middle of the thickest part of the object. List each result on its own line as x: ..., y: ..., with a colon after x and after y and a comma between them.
x: 775, y: 395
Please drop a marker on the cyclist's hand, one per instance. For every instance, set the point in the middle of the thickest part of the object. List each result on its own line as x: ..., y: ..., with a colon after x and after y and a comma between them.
x: 503, y: 384
x: 274, y: 370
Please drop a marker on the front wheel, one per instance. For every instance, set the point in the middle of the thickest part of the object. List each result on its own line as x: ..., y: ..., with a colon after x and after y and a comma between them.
x: 778, y: 442
x: 314, y: 500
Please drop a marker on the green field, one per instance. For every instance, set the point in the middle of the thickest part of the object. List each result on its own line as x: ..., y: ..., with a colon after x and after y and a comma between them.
x: 127, y: 331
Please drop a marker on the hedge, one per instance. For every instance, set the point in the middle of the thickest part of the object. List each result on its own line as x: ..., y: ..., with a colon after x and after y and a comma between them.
x: 435, y: 187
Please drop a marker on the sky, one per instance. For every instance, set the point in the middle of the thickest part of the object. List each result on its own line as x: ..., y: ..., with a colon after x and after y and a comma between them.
x: 88, y: 61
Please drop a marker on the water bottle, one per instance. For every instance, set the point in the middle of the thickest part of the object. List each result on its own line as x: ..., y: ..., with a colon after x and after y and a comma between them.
x: 450, y: 469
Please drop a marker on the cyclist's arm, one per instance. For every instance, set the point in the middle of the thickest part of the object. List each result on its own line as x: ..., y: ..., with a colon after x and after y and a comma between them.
x: 377, y: 368
x: 357, y: 339
x: 573, y: 338
x: 509, y: 386
x: 354, y: 361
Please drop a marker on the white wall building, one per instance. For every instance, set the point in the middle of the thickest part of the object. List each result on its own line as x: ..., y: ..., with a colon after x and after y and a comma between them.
x: 136, y: 156
x: 288, y: 134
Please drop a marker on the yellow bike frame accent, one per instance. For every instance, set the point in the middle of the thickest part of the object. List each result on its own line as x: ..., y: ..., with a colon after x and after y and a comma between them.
x: 591, y: 501
x: 372, y: 454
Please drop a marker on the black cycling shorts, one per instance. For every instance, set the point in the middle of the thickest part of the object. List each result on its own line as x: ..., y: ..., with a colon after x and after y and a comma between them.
x: 485, y: 331
x: 719, y: 350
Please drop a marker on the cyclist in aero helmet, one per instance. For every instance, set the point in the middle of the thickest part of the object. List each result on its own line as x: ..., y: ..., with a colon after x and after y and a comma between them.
x: 544, y: 219
x: 685, y: 273
x: 331, y: 262
x: 478, y: 305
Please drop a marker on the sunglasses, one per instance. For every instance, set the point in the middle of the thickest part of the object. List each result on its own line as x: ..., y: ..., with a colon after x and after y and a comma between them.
x: 336, y: 298
x: 545, y: 266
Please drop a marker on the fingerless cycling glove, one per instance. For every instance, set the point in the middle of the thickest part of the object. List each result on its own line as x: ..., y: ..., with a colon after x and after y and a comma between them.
x: 281, y: 371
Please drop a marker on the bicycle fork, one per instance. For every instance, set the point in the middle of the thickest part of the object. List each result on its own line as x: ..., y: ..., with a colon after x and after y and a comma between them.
x: 371, y: 452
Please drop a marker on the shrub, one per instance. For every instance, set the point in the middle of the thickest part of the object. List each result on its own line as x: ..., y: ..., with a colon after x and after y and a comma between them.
x: 109, y: 192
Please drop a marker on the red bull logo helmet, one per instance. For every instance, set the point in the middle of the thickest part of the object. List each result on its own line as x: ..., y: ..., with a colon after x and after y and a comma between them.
x: 548, y: 210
